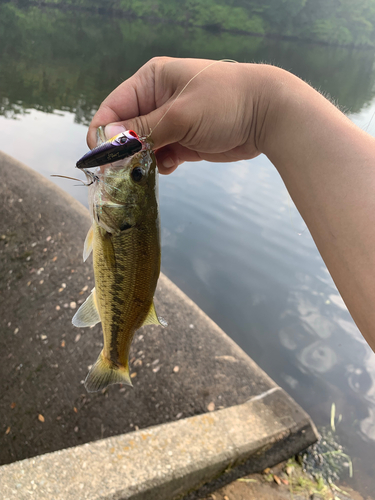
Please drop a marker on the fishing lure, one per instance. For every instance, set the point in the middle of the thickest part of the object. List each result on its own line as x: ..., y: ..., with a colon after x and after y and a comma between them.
x: 118, y: 147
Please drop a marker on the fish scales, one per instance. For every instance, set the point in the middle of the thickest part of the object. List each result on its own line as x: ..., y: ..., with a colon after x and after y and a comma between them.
x: 125, y: 292
x: 125, y: 241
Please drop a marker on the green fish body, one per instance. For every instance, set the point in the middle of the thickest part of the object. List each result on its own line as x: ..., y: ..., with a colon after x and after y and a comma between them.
x: 125, y: 241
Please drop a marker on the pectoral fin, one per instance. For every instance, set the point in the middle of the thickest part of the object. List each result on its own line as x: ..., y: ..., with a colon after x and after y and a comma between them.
x: 153, y: 319
x: 87, y: 247
x: 87, y: 314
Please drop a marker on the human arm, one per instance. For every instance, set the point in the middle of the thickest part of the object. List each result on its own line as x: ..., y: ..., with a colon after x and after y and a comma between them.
x: 328, y: 166
x: 236, y: 111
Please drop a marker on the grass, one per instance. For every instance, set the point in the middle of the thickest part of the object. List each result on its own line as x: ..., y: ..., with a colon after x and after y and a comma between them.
x: 315, y: 471
x: 300, y: 482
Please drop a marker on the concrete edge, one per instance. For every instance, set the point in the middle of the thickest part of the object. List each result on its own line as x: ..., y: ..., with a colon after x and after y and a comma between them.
x: 168, y: 461
x: 237, y: 350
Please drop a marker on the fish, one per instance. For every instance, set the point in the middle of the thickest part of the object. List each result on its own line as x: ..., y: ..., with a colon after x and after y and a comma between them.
x: 125, y: 242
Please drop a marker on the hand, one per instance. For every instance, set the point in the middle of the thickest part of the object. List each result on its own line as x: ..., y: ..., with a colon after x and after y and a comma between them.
x: 213, y: 119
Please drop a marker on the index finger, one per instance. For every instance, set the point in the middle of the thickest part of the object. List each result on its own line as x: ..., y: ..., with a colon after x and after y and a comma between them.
x: 134, y: 97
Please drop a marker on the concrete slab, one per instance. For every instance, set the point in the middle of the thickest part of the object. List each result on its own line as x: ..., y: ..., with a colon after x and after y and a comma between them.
x: 178, y: 372
x: 165, y: 461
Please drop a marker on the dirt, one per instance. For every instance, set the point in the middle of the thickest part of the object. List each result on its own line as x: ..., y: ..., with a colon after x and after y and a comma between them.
x: 264, y: 487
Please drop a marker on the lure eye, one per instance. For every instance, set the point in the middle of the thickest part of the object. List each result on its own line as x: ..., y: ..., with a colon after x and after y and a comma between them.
x: 122, y: 139
x: 137, y: 174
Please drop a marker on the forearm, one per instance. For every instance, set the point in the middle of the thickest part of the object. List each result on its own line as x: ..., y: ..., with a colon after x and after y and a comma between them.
x: 328, y: 166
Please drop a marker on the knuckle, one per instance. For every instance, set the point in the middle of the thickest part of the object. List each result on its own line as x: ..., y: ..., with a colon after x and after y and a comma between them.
x: 141, y: 126
x: 160, y: 66
x: 158, y: 61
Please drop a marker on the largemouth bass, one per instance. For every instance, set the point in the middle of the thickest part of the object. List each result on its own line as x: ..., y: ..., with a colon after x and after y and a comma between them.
x: 125, y: 242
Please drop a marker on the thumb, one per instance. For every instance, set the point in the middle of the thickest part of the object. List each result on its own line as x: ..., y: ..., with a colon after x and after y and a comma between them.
x: 167, y: 159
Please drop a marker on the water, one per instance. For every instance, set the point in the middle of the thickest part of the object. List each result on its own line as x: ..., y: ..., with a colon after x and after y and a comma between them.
x: 231, y: 236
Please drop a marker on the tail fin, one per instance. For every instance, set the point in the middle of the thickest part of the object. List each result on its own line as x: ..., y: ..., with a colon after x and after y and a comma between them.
x: 104, y: 373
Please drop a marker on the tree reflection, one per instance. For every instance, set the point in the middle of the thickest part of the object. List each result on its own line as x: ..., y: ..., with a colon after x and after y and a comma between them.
x: 53, y: 59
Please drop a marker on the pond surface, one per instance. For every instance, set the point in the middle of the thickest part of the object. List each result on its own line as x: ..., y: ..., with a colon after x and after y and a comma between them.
x: 231, y: 236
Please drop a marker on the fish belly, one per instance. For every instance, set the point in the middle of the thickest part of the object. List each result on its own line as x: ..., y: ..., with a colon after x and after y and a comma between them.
x: 126, y: 268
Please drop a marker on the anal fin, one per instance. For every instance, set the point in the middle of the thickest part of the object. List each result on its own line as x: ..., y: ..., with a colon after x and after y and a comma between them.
x: 153, y: 319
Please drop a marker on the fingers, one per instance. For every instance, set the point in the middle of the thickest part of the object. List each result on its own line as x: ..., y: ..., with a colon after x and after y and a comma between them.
x: 142, y: 102
x: 133, y: 98
x: 170, y: 157
x: 152, y: 125
x: 162, y: 131
x: 123, y: 102
x: 103, y: 115
x: 167, y: 161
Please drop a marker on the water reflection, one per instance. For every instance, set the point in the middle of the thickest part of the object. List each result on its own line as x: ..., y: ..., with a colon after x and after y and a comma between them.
x: 84, y: 59
x: 51, y: 144
x: 318, y: 357
x: 359, y: 380
x: 327, y: 343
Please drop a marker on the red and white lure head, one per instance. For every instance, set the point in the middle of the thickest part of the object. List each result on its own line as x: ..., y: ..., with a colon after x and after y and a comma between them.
x: 123, y: 137
x: 120, y: 146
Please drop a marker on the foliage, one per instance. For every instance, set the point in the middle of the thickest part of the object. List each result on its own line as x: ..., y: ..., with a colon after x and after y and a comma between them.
x: 69, y: 60
x: 341, y: 22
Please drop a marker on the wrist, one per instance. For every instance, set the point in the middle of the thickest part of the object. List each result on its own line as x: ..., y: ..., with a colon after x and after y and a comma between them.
x: 267, y: 90
x: 298, y: 126
x: 275, y: 90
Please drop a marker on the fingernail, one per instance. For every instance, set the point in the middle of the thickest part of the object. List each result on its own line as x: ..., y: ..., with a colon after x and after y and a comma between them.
x: 168, y: 162
x: 113, y: 129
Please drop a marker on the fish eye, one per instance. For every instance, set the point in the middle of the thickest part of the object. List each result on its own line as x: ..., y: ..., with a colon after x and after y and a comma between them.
x: 122, y: 139
x: 137, y: 174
